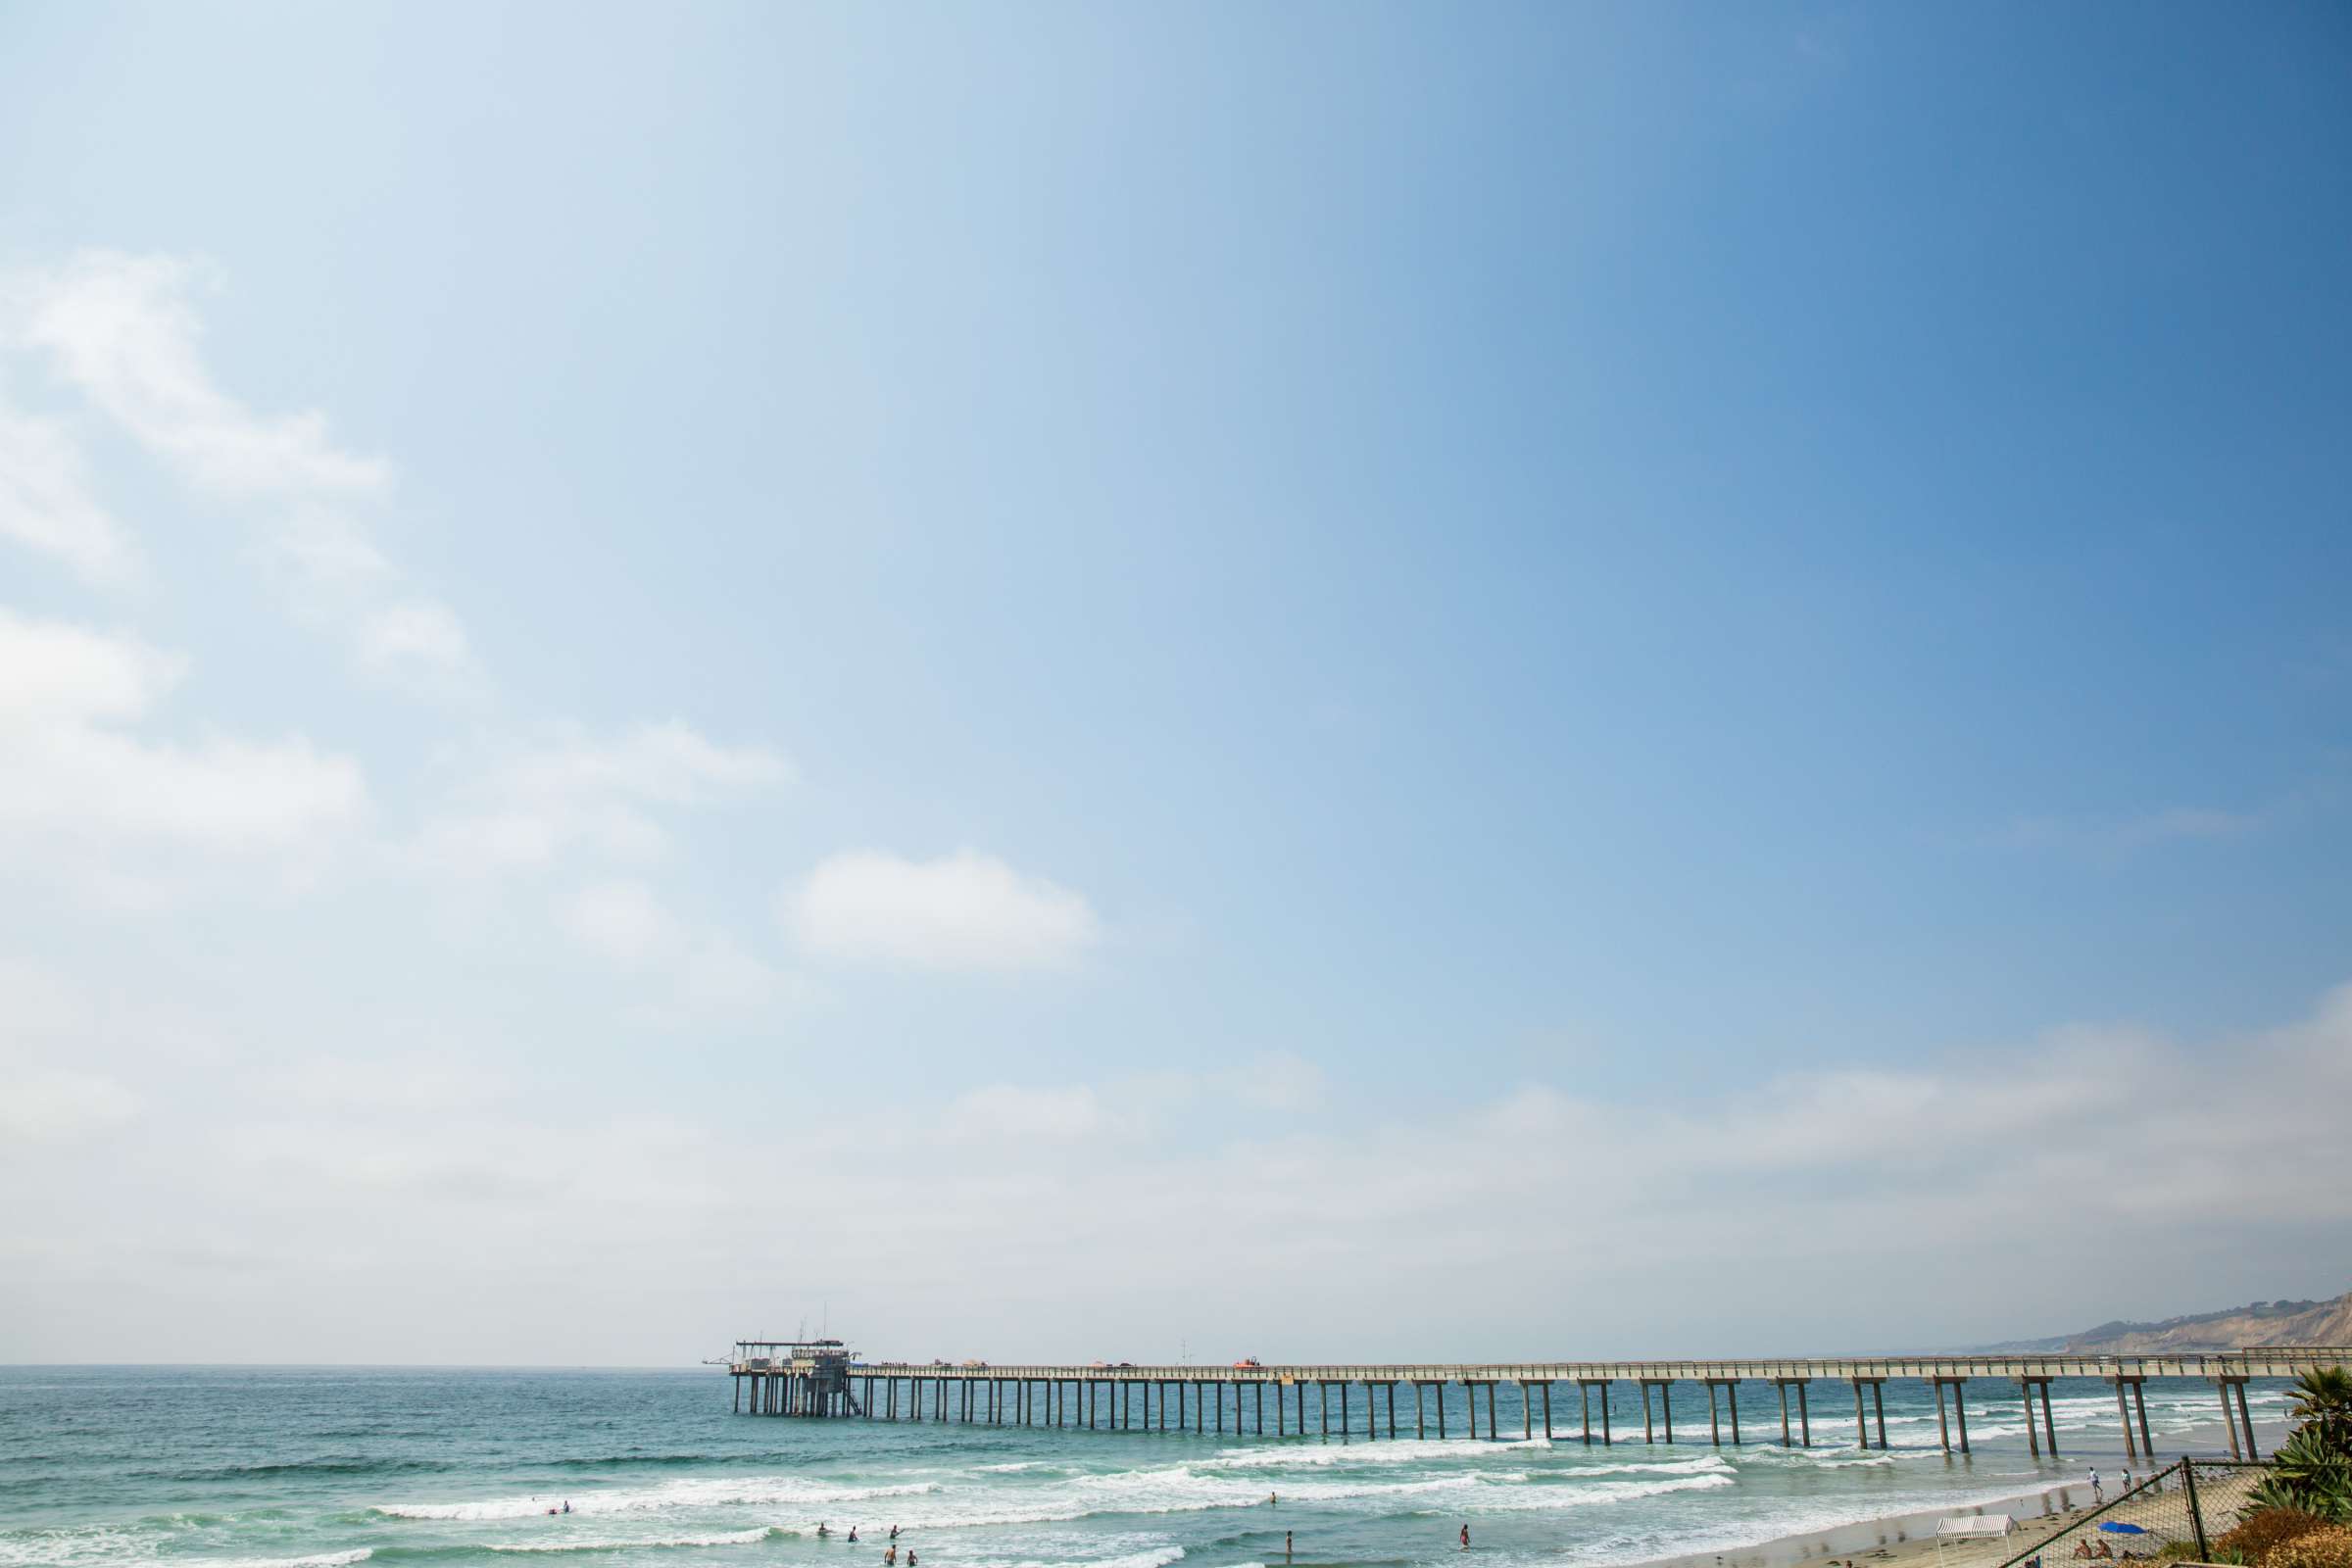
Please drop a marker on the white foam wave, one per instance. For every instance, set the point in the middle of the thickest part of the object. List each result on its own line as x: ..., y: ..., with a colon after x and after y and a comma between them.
x: 726, y: 1537
x: 1703, y: 1465
x: 73, y: 1545
x: 738, y: 1490
x: 1149, y: 1557
x: 1401, y: 1451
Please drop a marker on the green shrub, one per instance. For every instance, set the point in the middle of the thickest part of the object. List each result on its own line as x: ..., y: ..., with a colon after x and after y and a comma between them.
x: 2311, y: 1474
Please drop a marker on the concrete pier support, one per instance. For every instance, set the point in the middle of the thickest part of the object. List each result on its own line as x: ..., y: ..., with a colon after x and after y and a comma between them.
x: 1440, y: 1388
x: 2238, y: 1420
x: 1585, y: 1388
x: 2049, y: 1426
x: 2123, y: 1414
x: 1420, y: 1420
x: 1804, y: 1411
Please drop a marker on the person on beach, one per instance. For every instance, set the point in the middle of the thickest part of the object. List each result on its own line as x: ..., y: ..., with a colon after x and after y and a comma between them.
x: 1286, y: 1546
x: 894, y: 1532
x: 890, y: 1558
x: 2096, y: 1495
x: 909, y: 1557
x: 822, y: 1531
x: 1271, y: 1499
x: 2127, y: 1479
x: 1465, y: 1537
x: 852, y: 1535
x: 2082, y: 1549
x: 568, y: 1505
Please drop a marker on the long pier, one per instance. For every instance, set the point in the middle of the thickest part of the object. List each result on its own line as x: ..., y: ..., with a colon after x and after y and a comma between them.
x: 824, y: 1379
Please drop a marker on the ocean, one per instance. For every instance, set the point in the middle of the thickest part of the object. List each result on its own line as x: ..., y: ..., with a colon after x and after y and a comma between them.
x: 245, y: 1467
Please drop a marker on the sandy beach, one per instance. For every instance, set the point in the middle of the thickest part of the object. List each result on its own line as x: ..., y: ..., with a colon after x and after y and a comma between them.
x: 1906, y: 1537
x: 1910, y: 1539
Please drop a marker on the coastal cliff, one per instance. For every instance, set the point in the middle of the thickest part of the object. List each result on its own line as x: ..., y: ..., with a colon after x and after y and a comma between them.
x: 2328, y: 1322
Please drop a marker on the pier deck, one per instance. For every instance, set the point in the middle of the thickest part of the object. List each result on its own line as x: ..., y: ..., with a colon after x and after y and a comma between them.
x: 823, y: 1381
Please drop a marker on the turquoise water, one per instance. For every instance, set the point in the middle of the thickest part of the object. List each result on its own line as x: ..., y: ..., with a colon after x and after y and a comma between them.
x: 314, y: 1468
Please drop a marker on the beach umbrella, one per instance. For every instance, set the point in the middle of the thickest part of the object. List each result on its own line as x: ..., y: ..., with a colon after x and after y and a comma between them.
x: 2116, y: 1526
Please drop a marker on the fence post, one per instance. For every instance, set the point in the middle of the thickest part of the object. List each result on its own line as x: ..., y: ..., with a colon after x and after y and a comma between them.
x: 2196, y: 1515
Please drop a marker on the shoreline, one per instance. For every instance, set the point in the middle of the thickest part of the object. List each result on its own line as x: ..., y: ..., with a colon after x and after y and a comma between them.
x: 1904, y: 1538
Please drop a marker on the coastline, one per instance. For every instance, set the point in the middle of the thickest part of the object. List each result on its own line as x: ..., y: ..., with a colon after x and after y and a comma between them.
x: 1896, y: 1538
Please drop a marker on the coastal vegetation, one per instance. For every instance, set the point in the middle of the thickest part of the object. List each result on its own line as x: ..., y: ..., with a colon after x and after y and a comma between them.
x: 2301, y: 1514
x: 2312, y: 1471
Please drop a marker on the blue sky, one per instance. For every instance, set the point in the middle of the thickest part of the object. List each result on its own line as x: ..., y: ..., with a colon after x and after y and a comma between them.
x: 1736, y: 612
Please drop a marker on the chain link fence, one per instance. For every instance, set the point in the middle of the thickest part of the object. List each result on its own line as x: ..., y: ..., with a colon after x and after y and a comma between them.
x: 2172, y: 1514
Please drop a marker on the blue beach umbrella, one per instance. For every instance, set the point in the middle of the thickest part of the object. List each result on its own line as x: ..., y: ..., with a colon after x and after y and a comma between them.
x: 2116, y: 1526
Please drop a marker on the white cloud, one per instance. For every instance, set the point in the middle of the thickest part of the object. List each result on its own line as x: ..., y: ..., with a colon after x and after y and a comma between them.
x: 1011, y: 1111
x: 962, y: 912
x: 690, y: 974
x: 621, y: 920
x: 51, y: 671
x: 121, y: 328
x: 529, y: 801
x: 46, y: 504
x: 55, y: 1104
x: 43, y: 1023
x: 418, y: 642
x: 124, y: 331
x: 80, y: 793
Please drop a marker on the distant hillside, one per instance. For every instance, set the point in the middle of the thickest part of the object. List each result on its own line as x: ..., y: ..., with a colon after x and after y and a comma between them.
x: 2261, y: 1323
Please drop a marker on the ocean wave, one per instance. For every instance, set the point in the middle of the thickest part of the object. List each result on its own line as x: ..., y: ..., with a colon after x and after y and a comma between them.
x: 1819, y: 1458
x: 1149, y: 1557
x: 724, y: 1538
x: 723, y: 1492
x: 70, y: 1545
x: 355, y: 1465
x: 1400, y: 1451
x: 1703, y: 1465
